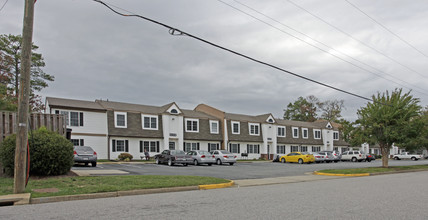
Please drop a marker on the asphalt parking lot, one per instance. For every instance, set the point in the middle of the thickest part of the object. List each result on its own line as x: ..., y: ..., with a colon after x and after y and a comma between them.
x: 241, y: 170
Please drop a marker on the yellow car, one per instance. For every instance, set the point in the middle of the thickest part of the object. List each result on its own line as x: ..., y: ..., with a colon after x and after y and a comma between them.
x: 298, y: 157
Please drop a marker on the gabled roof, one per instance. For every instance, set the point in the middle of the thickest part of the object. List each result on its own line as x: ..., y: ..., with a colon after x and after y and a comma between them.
x: 197, y: 114
x: 247, y: 118
x: 121, y: 106
x: 297, y: 123
x: 72, y: 103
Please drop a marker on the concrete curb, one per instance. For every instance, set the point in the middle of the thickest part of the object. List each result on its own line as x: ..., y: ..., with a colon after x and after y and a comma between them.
x: 110, y: 194
x: 216, y: 186
x: 337, y: 174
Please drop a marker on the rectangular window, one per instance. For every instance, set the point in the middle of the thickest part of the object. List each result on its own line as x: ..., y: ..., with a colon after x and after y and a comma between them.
x: 335, y: 135
x: 65, y: 113
x: 304, y: 149
x: 295, y: 132
x: 72, y: 118
x: 78, y: 142
x: 253, y: 148
x: 149, y: 146
x: 281, y: 131
x: 120, y: 145
x: 191, y: 146
x: 254, y: 128
x: 214, y: 127
x: 192, y: 125
x: 172, y: 145
x: 234, y: 148
x: 150, y: 122
x: 120, y: 119
x: 212, y: 146
x: 317, y: 134
x: 294, y: 148
x: 305, y: 133
x: 235, y: 127
x: 316, y: 149
x: 280, y: 149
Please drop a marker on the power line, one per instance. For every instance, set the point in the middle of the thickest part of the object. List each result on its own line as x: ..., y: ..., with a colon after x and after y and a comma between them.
x: 3, y: 5
x: 175, y: 31
x: 387, y: 29
x: 355, y: 39
x: 331, y: 48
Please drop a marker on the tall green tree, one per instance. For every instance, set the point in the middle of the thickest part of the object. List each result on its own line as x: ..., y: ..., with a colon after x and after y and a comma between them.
x: 331, y: 110
x: 388, y: 120
x: 10, y: 63
x: 303, y: 109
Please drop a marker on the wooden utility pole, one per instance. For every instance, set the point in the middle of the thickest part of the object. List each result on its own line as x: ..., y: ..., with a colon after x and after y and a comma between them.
x: 23, y: 100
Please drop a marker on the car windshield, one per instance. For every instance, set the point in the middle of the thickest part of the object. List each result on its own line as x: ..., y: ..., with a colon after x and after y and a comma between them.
x: 83, y: 148
x: 202, y: 152
x: 225, y: 152
x: 177, y: 152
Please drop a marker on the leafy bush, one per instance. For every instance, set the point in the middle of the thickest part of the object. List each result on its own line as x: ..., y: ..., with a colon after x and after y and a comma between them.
x: 378, y: 156
x: 125, y: 156
x: 50, y: 153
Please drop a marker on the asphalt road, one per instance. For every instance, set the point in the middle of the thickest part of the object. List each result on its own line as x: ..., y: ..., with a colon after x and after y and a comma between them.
x: 254, y: 170
x: 393, y: 196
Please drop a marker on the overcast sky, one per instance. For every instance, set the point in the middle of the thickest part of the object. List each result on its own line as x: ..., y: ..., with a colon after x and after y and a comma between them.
x: 96, y: 54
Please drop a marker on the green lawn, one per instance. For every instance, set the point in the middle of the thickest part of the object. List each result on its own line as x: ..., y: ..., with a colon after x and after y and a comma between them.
x: 81, y: 185
x: 373, y: 170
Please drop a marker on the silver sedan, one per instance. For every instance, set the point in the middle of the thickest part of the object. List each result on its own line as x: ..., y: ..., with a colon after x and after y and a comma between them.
x: 224, y: 156
x: 202, y: 157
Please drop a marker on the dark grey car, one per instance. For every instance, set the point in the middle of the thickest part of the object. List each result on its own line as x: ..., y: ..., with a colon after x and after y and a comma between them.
x: 172, y: 157
x: 86, y: 155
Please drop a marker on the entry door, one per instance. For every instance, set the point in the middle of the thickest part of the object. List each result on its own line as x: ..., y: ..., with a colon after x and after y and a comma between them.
x: 172, y: 145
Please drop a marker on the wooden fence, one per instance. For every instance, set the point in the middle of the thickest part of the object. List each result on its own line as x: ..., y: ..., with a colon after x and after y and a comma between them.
x: 53, y: 122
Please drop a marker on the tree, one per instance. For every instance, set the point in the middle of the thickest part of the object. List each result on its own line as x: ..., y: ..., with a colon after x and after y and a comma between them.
x: 303, y: 109
x: 389, y: 119
x: 331, y: 109
x: 10, y: 63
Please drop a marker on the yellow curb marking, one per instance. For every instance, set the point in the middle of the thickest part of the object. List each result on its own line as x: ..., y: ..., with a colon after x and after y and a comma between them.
x: 215, y: 186
x: 335, y: 174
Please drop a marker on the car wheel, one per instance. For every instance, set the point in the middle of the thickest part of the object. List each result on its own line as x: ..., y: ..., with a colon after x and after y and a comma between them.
x: 354, y: 159
x: 218, y: 162
x: 413, y: 158
x: 86, y: 164
x: 369, y: 160
x: 195, y: 162
x: 396, y: 158
x: 231, y: 164
x: 185, y: 164
x: 283, y: 160
x: 210, y: 164
x: 94, y: 164
x: 300, y: 161
x: 317, y: 162
x: 336, y: 161
x: 157, y: 161
x: 170, y: 162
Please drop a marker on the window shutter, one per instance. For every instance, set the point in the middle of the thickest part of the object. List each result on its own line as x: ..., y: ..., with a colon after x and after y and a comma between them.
x: 82, y: 142
x: 258, y: 149
x: 126, y: 146
x: 197, y: 146
x: 57, y: 112
x: 157, y: 146
x: 248, y: 148
x: 81, y: 118
x: 239, y: 149
x: 141, y: 146
x: 113, y: 145
x: 184, y: 146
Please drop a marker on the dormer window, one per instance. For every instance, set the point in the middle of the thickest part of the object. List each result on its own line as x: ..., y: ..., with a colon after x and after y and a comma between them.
x: 174, y: 111
x: 270, y: 120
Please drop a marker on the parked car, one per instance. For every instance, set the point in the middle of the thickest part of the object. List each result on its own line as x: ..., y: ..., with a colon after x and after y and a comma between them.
x: 318, y: 157
x: 172, y: 157
x: 328, y: 156
x: 202, y: 157
x: 298, y: 157
x: 85, y: 154
x: 406, y: 155
x: 353, y: 156
x: 223, y: 156
x: 370, y: 157
x: 336, y: 155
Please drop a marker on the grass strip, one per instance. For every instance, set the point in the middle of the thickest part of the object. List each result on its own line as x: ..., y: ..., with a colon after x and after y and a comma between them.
x: 373, y: 170
x: 96, y: 184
